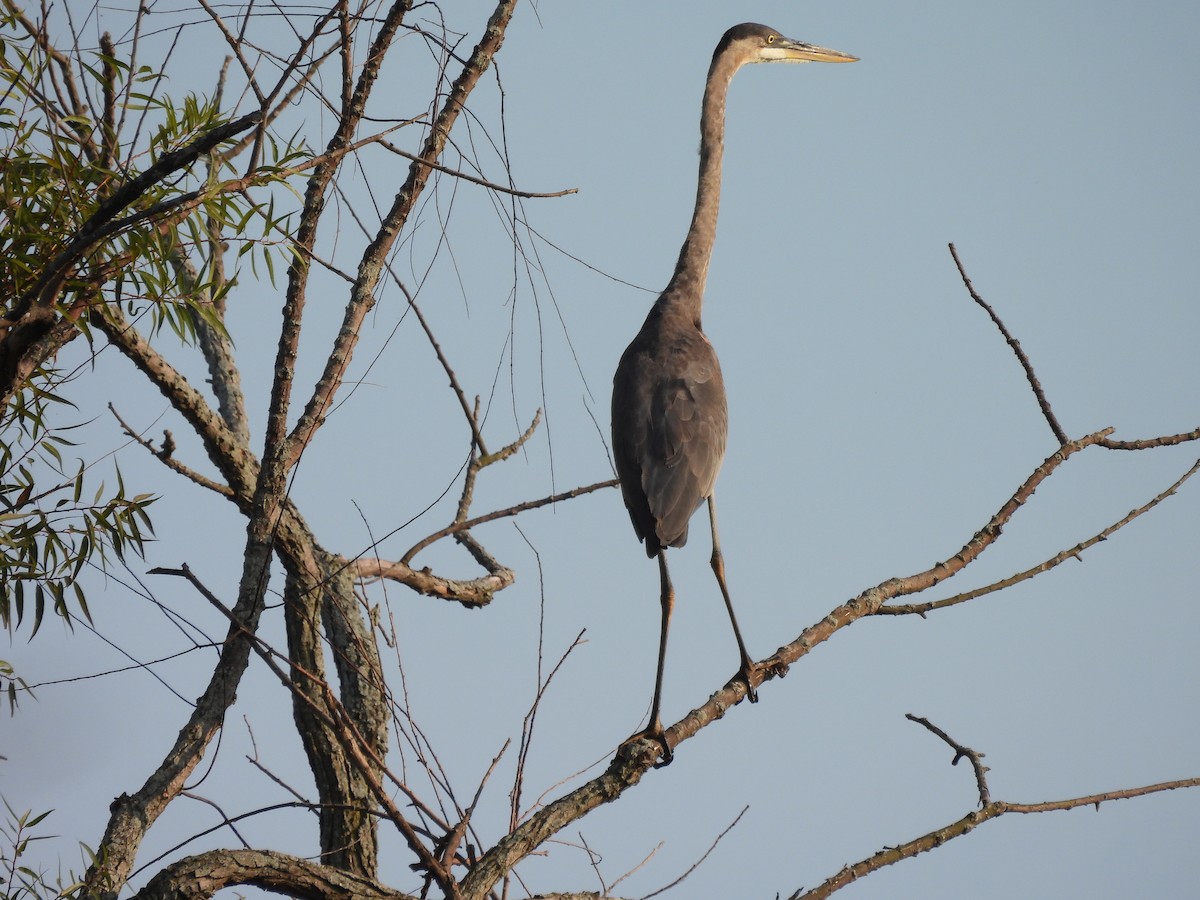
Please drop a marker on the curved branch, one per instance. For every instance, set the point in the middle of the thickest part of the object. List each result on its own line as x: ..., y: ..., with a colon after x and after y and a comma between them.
x: 961, y: 751
x: 490, y: 185
x: 472, y: 593
x: 203, y: 875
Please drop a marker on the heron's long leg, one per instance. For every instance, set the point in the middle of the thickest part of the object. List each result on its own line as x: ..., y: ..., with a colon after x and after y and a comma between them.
x: 718, y: 567
x: 667, y: 599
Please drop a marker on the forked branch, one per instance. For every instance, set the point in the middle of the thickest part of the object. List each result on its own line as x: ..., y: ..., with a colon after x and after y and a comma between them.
x: 989, y: 809
x: 1075, y: 552
x: 961, y: 751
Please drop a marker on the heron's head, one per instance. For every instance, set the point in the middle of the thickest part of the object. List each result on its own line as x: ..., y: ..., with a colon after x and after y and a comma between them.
x: 751, y: 43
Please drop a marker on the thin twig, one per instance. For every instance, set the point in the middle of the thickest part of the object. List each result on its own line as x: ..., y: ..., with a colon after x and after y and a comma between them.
x: 454, y: 838
x: 225, y: 818
x: 532, y: 195
x: 505, y: 513
x: 594, y: 858
x: 961, y: 751
x: 472, y: 416
x: 921, y: 609
x: 694, y: 866
x: 169, y: 461
x: 1016, y: 348
x: 527, y: 731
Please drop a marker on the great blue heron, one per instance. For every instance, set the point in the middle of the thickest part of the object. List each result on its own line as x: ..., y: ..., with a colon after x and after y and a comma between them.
x: 669, y: 417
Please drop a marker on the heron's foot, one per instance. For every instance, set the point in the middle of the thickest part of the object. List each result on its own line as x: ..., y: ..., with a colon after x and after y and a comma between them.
x: 750, y: 673
x: 654, y: 733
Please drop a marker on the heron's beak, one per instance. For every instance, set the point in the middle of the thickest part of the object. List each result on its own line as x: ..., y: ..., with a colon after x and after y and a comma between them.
x: 787, y: 50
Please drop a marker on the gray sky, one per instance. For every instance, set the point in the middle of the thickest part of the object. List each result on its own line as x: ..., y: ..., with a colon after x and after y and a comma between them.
x: 877, y: 421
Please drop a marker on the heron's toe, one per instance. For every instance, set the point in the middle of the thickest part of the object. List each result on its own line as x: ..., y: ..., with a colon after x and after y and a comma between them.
x: 747, y: 674
x: 631, y: 745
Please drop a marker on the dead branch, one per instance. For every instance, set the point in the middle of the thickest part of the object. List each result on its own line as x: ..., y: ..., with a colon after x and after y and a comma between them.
x: 1043, y: 403
x: 1166, y: 440
x: 636, y: 758
x: 694, y: 866
x: 921, y: 609
x: 471, y: 414
x: 968, y: 823
x: 961, y: 751
x: 490, y: 185
x: 203, y: 875
x: 169, y: 461
x: 508, y: 512
x: 872, y: 599
x: 471, y: 593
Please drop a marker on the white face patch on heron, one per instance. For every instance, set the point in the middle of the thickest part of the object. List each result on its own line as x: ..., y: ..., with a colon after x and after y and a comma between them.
x: 778, y: 54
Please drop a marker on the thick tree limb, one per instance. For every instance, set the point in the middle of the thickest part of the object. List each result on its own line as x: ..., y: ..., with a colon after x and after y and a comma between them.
x: 132, y: 816
x: 201, y: 876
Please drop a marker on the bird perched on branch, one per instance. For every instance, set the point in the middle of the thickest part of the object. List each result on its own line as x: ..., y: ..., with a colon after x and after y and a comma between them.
x: 669, y: 419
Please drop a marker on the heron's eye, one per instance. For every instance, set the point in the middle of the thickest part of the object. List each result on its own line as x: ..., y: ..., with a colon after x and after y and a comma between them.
x: 770, y: 38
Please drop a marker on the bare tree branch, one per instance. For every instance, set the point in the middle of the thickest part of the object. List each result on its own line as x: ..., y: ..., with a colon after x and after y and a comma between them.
x: 490, y: 185
x: 636, y: 757
x: 921, y: 609
x: 201, y: 876
x: 967, y: 824
x: 1167, y: 440
x: 961, y: 751
x: 471, y: 593
x: 1043, y: 403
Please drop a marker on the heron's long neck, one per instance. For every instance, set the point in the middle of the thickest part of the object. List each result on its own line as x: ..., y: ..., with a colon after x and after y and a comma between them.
x: 687, y: 284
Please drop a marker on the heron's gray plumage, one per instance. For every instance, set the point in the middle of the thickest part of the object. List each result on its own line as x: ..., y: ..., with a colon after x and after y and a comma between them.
x: 671, y: 440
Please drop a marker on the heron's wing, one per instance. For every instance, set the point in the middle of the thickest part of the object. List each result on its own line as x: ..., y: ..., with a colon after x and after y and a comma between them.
x: 685, y: 440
